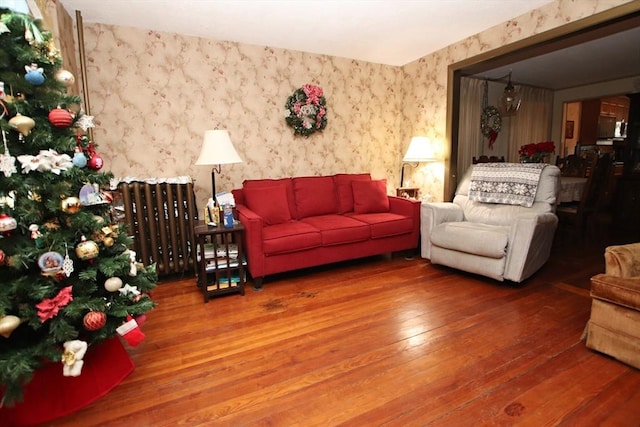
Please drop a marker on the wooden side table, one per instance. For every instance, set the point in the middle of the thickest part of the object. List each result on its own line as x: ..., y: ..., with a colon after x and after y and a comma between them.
x: 221, y: 259
x: 408, y: 192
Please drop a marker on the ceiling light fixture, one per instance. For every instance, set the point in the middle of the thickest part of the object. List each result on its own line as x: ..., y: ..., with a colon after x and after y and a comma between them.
x: 510, y: 101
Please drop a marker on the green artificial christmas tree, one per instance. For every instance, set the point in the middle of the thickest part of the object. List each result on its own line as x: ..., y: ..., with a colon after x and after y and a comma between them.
x: 67, y: 278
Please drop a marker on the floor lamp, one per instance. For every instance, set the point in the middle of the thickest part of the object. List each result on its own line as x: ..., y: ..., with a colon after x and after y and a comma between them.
x: 419, y: 150
x: 217, y: 150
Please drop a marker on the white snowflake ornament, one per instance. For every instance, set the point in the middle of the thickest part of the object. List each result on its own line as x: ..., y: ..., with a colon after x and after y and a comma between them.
x: 7, y: 161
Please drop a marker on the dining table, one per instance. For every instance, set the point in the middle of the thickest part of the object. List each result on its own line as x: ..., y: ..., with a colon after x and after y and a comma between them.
x: 571, y: 188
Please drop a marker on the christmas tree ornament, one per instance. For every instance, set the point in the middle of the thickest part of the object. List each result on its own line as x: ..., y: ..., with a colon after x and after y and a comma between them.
x: 94, y: 320
x: 7, y: 161
x: 72, y: 356
x: 49, y: 307
x: 67, y: 263
x: 22, y: 124
x: 2, y: 94
x: 36, y: 235
x: 131, y: 332
x: 50, y: 263
x: 112, y: 284
x: 60, y: 118
x: 70, y: 205
x: 8, y: 324
x: 65, y: 77
x: 87, y: 249
x: 3, y: 257
x: 79, y: 159
x: 90, y: 195
x: 7, y: 224
x: 84, y: 122
x: 95, y: 162
x: 34, y: 75
x: 129, y: 291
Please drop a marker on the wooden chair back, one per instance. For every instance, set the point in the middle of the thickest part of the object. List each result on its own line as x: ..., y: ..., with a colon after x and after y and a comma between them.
x: 597, y: 184
x: 487, y: 159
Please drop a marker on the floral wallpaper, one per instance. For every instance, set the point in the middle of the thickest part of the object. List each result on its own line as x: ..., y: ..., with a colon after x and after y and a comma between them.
x: 154, y: 94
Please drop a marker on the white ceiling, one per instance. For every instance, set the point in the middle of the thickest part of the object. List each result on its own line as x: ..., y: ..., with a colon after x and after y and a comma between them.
x: 392, y: 32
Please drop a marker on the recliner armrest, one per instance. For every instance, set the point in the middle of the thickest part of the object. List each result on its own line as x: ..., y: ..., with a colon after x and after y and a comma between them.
x: 433, y: 214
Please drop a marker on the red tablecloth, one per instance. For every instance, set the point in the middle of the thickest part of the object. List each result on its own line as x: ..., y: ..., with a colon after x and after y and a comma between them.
x: 51, y: 395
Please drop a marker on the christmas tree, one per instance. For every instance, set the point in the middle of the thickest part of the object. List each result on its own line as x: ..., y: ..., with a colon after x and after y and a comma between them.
x: 67, y: 278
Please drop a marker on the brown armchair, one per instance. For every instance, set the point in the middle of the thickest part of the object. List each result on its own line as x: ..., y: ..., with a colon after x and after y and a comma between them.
x: 614, y: 326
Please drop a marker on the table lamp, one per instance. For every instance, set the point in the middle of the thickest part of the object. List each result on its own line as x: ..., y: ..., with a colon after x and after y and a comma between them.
x: 419, y: 150
x: 217, y: 150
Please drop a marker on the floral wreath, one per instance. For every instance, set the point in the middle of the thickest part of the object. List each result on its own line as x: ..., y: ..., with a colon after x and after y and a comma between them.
x: 306, y: 110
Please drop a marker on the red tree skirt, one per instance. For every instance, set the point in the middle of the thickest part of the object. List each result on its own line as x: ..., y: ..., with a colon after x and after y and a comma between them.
x: 51, y: 395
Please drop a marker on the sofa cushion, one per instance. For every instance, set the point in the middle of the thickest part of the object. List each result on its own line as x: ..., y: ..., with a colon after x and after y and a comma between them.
x: 370, y: 196
x: 261, y: 183
x: 338, y: 229
x: 469, y: 237
x: 345, y: 191
x: 268, y: 202
x: 315, y: 195
x: 386, y: 224
x: 290, y: 237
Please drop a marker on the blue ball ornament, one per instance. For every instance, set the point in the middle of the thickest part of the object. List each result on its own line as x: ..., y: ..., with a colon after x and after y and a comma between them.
x: 79, y: 160
x: 34, y: 75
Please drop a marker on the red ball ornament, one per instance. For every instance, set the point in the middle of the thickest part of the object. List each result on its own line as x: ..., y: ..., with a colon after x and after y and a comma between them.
x: 61, y: 118
x: 94, y: 320
x: 95, y: 162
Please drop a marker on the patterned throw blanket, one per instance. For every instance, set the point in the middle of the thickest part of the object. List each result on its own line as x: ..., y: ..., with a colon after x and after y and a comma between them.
x: 505, y: 183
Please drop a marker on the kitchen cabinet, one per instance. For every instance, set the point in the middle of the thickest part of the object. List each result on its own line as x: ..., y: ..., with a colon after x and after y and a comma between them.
x: 598, y: 117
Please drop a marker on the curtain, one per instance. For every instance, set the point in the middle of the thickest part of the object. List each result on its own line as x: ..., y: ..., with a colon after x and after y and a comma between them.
x: 532, y: 123
x: 470, y: 138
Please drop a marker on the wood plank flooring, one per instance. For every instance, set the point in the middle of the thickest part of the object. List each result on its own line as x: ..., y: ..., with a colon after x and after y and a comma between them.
x: 377, y: 342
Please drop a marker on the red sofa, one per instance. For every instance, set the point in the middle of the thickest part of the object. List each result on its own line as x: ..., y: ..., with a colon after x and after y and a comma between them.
x: 300, y: 222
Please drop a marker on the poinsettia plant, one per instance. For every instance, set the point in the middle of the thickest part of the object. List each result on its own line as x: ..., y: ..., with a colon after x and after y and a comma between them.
x: 536, y: 151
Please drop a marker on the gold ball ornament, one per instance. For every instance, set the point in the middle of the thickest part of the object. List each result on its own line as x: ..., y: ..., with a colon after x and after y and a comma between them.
x: 87, y: 249
x: 8, y: 324
x: 65, y: 77
x: 112, y: 284
x: 108, y: 241
x: 22, y: 124
x: 70, y: 205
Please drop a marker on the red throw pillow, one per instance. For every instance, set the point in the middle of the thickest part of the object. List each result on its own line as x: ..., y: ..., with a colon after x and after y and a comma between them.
x: 345, y: 191
x: 370, y: 196
x: 268, y: 202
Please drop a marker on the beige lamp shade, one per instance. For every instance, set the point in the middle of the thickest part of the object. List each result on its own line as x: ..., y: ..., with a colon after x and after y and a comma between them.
x: 217, y: 149
x: 420, y: 150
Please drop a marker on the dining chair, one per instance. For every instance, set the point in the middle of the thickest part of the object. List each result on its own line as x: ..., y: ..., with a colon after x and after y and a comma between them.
x: 488, y: 159
x: 574, y: 215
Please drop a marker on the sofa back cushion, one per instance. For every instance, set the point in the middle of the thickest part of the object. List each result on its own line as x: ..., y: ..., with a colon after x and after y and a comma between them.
x: 370, y: 196
x: 262, y: 183
x: 345, y: 190
x: 315, y: 195
x: 269, y: 202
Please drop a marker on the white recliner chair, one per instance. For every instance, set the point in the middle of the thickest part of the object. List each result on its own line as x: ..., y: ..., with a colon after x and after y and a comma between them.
x: 497, y: 240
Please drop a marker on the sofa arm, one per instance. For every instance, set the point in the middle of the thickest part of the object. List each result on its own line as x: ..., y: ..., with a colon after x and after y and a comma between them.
x: 530, y: 241
x: 404, y: 206
x: 433, y: 214
x: 623, y: 260
x: 253, y: 225
x: 618, y: 290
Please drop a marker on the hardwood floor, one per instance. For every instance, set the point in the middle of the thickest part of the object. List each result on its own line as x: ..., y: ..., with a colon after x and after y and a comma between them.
x: 382, y: 341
